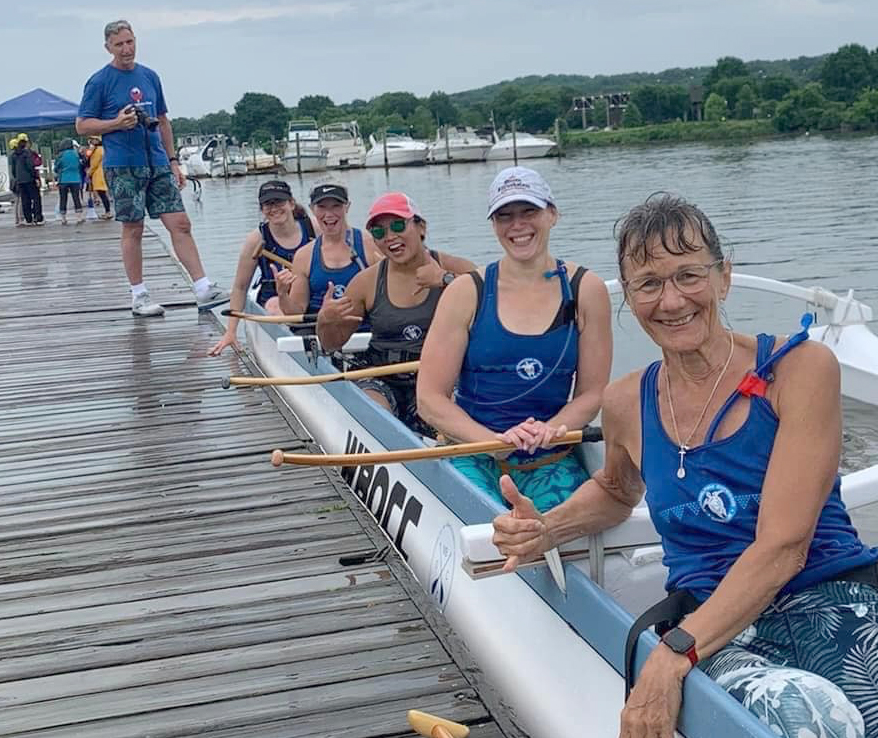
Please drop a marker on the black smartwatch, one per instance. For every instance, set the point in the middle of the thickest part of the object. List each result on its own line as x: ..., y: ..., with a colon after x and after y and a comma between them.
x: 173, y: 158
x: 681, y: 642
x: 448, y: 278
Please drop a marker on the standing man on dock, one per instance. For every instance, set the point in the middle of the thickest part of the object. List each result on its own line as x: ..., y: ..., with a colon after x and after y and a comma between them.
x: 124, y: 103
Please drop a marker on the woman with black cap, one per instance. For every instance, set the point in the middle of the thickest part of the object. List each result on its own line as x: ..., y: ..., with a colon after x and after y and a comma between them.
x: 338, y: 254
x: 285, y: 230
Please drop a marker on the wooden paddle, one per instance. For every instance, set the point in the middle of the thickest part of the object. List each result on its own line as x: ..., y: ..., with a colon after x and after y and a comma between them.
x: 273, y: 257
x: 372, y: 371
x: 278, y: 457
x: 283, y: 319
x: 423, y: 723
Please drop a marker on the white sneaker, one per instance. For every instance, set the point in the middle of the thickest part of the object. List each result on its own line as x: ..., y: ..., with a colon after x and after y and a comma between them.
x: 143, y: 307
x: 214, y: 296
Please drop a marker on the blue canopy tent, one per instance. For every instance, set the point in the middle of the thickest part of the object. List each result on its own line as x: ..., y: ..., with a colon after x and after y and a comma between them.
x: 35, y: 110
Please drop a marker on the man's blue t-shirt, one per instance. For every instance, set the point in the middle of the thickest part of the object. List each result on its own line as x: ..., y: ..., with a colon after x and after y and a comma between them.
x: 108, y: 91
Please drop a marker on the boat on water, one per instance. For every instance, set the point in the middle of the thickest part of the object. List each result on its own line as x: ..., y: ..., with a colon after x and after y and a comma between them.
x: 258, y: 159
x: 527, y: 145
x: 458, y: 143
x: 399, y: 148
x: 212, y: 156
x: 555, y: 658
x: 344, y: 145
x: 305, y: 151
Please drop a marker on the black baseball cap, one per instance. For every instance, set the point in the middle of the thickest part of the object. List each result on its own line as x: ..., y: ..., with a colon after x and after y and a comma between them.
x: 275, y: 190
x: 333, y: 190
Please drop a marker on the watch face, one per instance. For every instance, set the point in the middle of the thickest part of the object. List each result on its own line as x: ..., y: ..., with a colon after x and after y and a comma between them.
x: 448, y: 278
x: 678, y: 640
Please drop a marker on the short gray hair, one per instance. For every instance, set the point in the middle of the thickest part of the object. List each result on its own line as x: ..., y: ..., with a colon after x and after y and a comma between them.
x: 111, y: 29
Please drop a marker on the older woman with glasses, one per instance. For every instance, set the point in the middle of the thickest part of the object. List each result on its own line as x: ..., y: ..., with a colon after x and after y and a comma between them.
x: 737, y: 440
x: 519, y: 351
x: 398, y: 297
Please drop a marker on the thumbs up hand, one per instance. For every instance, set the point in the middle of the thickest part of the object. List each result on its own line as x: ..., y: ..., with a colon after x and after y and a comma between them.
x: 521, y: 534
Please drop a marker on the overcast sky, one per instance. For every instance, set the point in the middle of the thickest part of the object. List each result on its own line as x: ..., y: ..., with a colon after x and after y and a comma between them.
x: 211, y: 52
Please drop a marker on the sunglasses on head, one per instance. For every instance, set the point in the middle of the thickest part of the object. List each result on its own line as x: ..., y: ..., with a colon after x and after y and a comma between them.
x: 397, y: 226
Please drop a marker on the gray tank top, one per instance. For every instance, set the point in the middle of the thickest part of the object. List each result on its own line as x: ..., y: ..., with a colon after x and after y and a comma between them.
x: 398, y: 332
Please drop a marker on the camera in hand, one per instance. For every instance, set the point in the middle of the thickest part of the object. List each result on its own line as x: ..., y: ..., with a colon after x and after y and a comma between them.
x: 143, y: 118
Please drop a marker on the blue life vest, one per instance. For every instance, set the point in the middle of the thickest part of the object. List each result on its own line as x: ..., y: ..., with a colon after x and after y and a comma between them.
x: 707, y: 518
x: 320, y: 275
x: 508, y: 377
x: 265, y: 278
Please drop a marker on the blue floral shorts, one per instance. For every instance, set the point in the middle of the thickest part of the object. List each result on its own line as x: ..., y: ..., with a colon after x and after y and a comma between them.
x: 547, y: 486
x: 808, y: 667
x: 138, y: 190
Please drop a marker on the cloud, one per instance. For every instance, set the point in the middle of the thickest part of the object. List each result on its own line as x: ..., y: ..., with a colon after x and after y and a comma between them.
x: 176, y: 18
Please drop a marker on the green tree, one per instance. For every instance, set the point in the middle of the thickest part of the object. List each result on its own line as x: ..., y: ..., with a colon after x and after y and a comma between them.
x: 185, y: 126
x: 660, y: 103
x: 259, y: 110
x: 774, y: 87
x: 536, y: 111
x: 863, y: 114
x: 715, y: 107
x: 402, y: 103
x: 801, y: 109
x: 745, y: 103
x: 503, y: 104
x: 313, y: 106
x: 728, y: 89
x: 442, y: 108
x: 725, y: 68
x: 422, y: 123
x: 218, y: 122
x: 848, y: 71
x: 632, y: 117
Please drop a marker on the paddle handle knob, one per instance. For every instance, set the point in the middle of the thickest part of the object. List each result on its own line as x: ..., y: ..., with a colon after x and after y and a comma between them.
x: 277, y: 457
x: 226, y: 382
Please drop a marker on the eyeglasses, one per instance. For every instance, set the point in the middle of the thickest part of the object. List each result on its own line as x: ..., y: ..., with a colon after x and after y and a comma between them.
x: 689, y: 280
x: 397, y: 226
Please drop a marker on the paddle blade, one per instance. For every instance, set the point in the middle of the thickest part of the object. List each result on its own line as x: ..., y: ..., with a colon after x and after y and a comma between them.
x: 432, y: 726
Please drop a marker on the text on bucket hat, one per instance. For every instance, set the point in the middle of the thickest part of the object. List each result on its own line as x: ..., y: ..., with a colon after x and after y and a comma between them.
x: 518, y: 184
x: 325, y: 190
x: 393, y: 203
x: 274, y: 190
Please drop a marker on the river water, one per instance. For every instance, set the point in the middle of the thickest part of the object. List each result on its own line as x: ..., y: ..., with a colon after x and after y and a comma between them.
x: 799, y: 210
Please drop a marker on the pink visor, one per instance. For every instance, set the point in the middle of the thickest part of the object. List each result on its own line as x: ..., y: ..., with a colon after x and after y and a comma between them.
x: 393, y: 203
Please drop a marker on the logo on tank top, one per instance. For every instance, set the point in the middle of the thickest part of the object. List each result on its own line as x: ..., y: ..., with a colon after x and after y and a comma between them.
x: 717, y: 503
x: 529, y: 368
x: 338, y: 291
x: 412, y: 332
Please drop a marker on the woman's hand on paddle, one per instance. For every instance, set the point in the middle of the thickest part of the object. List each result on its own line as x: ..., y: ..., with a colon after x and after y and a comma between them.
x: 226, y: 340
x: 532, y: 434
x: 545, y: 434
x: 654, y: 704
x: 283, y: 279
x: 521, y: 535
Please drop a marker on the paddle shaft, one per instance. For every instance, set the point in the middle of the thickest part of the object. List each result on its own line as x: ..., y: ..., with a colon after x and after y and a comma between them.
x: 283, y: 319
x: 373, y: 371
x: 275, y: 258
x: 278, y: 457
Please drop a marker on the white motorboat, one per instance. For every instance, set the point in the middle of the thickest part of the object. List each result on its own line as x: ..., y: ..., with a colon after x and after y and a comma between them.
x: 305, y: 151
x: 258, y: 159
x: 527, y: 145
x: 344, y: 145
x: 556, y: 659
x: 458, y: 143
x: 395, y: 150
x: 213, y: 156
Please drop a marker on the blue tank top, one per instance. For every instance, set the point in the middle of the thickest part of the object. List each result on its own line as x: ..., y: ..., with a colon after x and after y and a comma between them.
x: 321, y: 275
x: 508, y: 377
x: 708, y: 518
x: 265, y: 278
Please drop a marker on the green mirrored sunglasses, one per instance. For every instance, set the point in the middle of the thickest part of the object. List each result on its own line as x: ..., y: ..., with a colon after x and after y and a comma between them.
x: 397, y: 226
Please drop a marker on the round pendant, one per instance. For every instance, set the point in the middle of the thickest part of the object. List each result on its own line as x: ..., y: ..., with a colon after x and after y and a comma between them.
x: 681, y: 472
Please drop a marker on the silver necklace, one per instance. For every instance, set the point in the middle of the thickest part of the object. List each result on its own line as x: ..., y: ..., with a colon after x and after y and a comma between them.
x: 684, y: 445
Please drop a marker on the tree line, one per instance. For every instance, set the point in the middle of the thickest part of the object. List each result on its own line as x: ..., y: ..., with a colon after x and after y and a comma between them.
x: 832, y: 92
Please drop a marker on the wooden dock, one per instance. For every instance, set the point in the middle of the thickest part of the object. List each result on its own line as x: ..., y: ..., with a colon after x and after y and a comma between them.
x: 157, y: 576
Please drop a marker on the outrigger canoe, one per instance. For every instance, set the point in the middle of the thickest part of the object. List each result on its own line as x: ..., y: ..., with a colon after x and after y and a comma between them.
x: 555, y: 658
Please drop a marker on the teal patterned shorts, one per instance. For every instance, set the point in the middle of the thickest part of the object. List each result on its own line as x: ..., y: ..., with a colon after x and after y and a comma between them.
x: 546, y: 486
x: 809, y: 665
x: 138, y: 190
